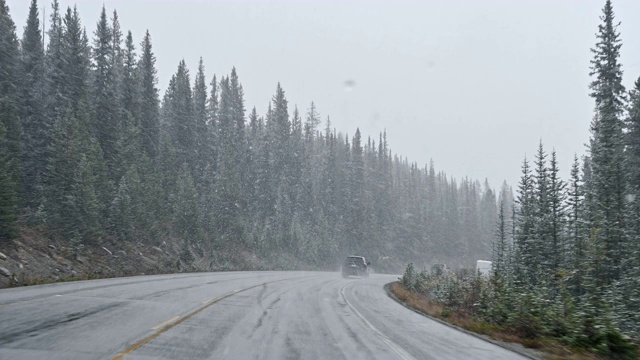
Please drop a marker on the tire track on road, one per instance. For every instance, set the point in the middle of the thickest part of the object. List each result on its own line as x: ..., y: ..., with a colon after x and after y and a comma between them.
x: 184, y: 318
x: 403, y: 354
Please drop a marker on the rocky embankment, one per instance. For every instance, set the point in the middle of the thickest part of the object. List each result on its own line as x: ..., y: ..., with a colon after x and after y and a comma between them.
x: 36, y: 259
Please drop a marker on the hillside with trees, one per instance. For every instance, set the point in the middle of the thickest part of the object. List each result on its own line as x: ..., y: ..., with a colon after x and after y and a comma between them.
x: 92, y: 155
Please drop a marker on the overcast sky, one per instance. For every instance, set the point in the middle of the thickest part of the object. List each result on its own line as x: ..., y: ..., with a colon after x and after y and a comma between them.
x: 473, y: 85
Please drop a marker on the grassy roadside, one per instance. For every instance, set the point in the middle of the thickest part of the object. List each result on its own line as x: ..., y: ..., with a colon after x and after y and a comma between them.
x: 552, y: 348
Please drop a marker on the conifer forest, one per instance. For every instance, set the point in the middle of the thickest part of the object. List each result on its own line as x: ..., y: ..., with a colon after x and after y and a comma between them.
x: 92, y: 152
x: 566, y: 252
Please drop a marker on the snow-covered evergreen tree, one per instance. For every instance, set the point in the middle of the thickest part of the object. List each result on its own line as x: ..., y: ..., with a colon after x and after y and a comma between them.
x: 36, y: 126
x: 149, y: 102
x: 608, y: 180
x: 10, y: 99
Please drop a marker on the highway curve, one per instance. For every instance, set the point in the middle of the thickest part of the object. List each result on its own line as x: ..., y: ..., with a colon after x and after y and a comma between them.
x: 230, y: 315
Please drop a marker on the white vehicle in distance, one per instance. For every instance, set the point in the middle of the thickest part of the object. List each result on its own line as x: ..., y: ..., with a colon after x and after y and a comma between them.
x: 484, y: 267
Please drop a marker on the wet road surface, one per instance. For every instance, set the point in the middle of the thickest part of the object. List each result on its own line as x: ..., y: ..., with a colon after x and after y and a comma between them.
x: 229, y: 315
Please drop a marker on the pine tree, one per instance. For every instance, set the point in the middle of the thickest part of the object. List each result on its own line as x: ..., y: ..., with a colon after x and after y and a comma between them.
x: 117, y: 69
x: 117, y: 53
x: 237, y: 97
x: 607, y: 149
x: 56, y: 103
x: 228, y: 183
x: 129, y: 143
x: 311, y: 124
x: 280, y: 128
x: 72, y: 205
x: 488, y: 218
x: 500, y: 246
x: 296, y: 151
x: 557, y: 206
x: 130, y: 81
x: 75, y: 65
x: 202, y: 144
x: 36, y: 126
x: 149, y: 111
x: 524, y: 252
x: 10, y: 98
x: 541, y: 242
x: 76, y: 187
x: 213, y: 104
x: 178, y: 119
x: 356, y: 202
x: 575, y: 224
x: 631, y: 279
x: 104, y: 93
x: 200, y: 103
x: 506, y: 202
x: 212, y: 123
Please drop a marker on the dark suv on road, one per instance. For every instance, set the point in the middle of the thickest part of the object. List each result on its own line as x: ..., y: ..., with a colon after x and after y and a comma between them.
x: 355, y: 266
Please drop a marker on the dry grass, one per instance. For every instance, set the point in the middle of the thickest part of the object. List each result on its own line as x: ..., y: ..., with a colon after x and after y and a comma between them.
x: 552, y: 348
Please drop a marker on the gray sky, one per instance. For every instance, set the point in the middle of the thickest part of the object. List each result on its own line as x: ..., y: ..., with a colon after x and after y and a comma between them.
x: 473, y: 85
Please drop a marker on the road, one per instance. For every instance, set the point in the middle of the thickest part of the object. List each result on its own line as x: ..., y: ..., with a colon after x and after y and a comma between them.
x: 231, y: 315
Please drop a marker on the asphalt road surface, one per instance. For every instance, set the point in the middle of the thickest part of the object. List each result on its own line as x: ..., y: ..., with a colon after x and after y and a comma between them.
x: 232, y: 315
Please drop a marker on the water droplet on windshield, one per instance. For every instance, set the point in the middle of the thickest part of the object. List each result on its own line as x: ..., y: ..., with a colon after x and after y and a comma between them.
x: 349, y: 85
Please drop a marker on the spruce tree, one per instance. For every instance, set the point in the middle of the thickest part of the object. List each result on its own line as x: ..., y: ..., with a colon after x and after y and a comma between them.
x: 296, y: 149
x: 228, y: 186
x: 280, y: 128
x: 212, y: 123
x: 557, y: 206
x: 76, y: 187
x: 129, y: 144
x: 541, y: 246
x: 237, y: 99
x: 311, y: 124
x: 607, y: 150
x: 524, y: 252
x: 36, y: 126
x: 149, y: 111
x: 117, y: 69
x: 104, y: 93
x: 130, y: 81
x: 56, y: 103
x: 631, y: 279
x: 488, y: 216
x: 117, y: 53
x: 575, y: 225
x: 356, y: 203
x: 202, y: 144
x: 10, y: 97
x: 72, y: 205
x: 500, y: 246
x: 75, y: 66
x: 178, y: 119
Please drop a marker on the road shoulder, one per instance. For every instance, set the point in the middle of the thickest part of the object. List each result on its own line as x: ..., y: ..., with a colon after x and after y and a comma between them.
x: 515, y: 347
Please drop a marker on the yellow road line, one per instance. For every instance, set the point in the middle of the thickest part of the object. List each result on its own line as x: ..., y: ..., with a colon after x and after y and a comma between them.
x: 210, y: 300
x: 171, y: 325
x: 165, y: 323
